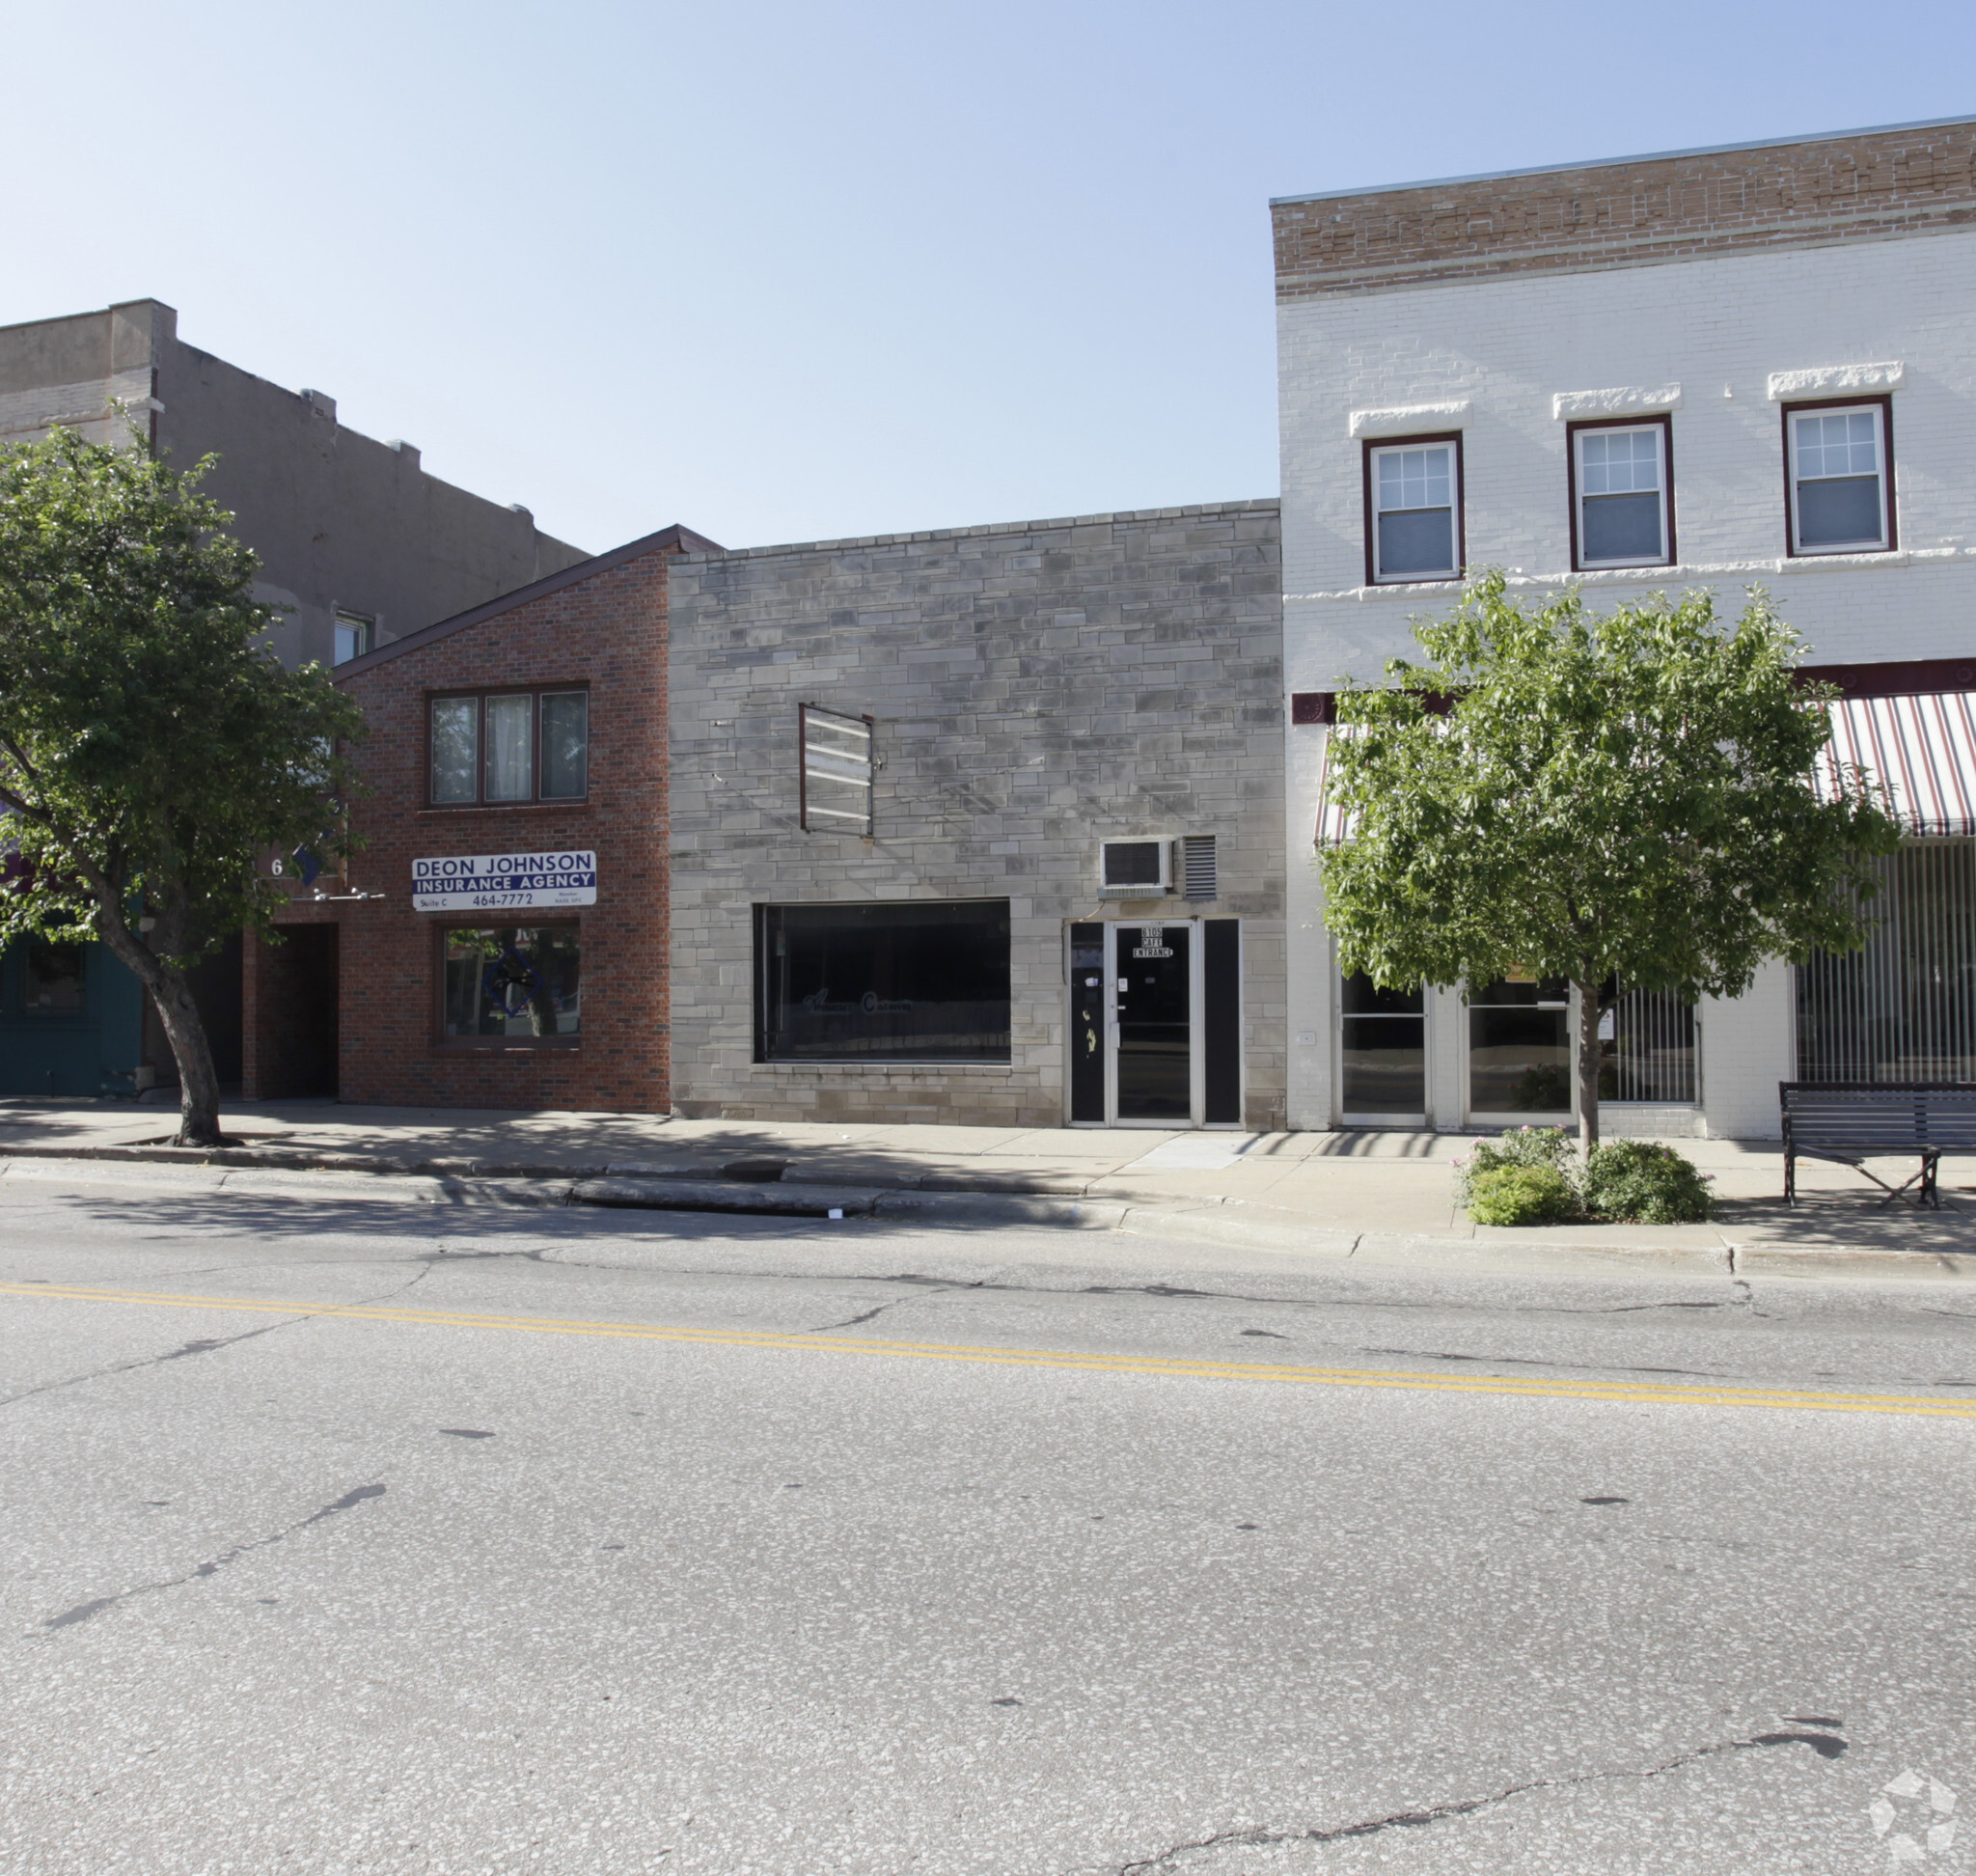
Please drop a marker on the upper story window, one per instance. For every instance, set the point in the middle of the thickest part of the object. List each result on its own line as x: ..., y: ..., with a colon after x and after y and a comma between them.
x: 1414, y: 509
x: 1622, y: 494
x: 1839, y: 470
x: 355, y: 635
x: 497, y: 746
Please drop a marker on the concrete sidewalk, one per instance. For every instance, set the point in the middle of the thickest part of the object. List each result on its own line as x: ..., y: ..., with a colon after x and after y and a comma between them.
x: 1373, y: 1197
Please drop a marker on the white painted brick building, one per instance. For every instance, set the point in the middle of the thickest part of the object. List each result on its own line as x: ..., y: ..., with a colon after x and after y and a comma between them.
x: 1701, y: 303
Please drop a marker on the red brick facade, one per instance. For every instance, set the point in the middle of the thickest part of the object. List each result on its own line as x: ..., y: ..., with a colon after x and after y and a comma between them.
x: 1866, y: 185
x: 603, y: 624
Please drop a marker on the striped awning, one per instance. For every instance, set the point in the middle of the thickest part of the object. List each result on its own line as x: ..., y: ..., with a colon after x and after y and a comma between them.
x: 1333, y: 824
x: 1922, y: 750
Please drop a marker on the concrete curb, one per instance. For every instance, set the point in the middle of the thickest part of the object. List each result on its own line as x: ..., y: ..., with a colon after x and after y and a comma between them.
x: 1211, y: 1219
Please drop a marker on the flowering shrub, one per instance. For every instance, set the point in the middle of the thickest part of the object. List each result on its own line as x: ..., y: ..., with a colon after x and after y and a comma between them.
x: 1522, y: 1194
x: 1627, y: 1182
x: 1642, y: 1182
x: 1546, y: 1148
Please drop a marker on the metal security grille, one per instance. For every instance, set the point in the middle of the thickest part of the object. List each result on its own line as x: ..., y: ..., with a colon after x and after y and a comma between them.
x: 1649, y: 1052
x: 835, y: 780
x: 1905, y: 1007
x: 1197, y: 865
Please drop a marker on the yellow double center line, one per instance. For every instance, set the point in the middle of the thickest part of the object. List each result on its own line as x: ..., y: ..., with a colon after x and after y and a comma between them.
x: 1653, y: 1395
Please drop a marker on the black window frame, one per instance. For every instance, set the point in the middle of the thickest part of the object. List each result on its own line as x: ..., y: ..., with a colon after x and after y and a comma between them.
x: 1372, y: 446
x: 1663, y: 422
x: 478, y: 696
x: 765, y: 919
x: 1884, y: 402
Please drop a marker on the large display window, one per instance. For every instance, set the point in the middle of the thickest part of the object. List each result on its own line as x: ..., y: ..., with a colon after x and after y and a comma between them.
x: 898, y: 982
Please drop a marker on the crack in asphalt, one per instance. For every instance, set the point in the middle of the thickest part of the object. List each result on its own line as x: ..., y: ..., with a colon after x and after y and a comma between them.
x: 1823, y: 1744
x: 851, y: 1322
x: 1514, y: 1361
x: 89, y: 1611
x: 204, y: 1345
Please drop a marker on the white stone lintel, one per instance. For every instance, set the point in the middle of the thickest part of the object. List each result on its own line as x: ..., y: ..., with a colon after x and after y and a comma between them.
x: 1409, y: 420
x: 1836, y: 380
x: 1615, y: 401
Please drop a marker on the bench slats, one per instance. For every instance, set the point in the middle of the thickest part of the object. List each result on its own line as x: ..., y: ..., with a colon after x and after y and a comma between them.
x: 1856, y: 1120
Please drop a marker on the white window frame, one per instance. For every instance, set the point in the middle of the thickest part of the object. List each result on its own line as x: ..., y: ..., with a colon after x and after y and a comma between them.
x: 362, y: 628
x: 1451, y: 442
x: 1878, y: 408
x: 1659, y: 430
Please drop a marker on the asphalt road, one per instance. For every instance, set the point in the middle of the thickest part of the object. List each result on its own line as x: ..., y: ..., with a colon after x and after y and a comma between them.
x: 347, y: 1535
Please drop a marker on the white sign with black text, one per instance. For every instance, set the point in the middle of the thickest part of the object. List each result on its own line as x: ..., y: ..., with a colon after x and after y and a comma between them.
x: 493, y: 882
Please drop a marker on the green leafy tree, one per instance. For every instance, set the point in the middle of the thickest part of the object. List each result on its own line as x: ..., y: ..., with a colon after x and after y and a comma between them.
x: 153, y: 752
x: 1565, y: 794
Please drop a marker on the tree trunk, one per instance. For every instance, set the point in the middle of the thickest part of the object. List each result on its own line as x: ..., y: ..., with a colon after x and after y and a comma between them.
x: 1587, y: 997
x: 170, y: 996
x: 199, y: 1084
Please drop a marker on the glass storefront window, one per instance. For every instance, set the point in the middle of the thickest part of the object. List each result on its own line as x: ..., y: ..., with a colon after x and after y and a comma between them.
x: 1385, y: 1051
x: 907, y: 982
x: 1520, y: 1048
x: 1646, y: 1047
x: 54, y: 979
x: 513, y: 982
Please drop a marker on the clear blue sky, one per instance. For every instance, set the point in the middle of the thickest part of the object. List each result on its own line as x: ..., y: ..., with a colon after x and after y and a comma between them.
x: 787, y: 271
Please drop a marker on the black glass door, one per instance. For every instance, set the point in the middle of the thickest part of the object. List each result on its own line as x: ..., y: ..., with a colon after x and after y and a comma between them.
x: 1155, y: 1055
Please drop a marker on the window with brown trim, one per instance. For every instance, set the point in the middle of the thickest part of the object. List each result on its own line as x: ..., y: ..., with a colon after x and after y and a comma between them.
x: 1414, y: 509
x: 1839, y: 475
x: 1621, y: 472
x: 488, y: 747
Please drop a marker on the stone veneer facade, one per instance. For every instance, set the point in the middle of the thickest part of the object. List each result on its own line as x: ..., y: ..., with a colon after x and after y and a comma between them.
x: 1036, y: 687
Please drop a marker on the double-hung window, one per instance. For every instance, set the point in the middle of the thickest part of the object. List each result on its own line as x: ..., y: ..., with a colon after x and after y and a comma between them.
x: 355, y: 635
x: 509, y: 746
x: 1414, y: 509
x: 1622, y: 494
x: 1839, y: 472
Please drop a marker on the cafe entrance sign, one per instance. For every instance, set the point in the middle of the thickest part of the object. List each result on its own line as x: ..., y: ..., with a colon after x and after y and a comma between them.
x: 493, y: 882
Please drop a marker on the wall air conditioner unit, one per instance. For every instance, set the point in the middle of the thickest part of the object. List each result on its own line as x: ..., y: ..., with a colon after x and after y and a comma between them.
x: 1134, y: 868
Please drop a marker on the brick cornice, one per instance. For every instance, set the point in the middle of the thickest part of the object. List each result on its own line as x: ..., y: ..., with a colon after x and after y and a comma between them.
x: 1642, y: 211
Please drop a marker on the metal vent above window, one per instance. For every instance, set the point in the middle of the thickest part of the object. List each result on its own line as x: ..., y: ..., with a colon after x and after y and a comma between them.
x: 834, y: 784
x: 1133, y: 868
x: 1197, y: 866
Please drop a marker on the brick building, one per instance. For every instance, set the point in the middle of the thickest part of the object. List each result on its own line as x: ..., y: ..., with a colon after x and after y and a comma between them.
x: 500, y: 939
x: 1715, y: 368
x: 357, y: 542
x: 981, y: 825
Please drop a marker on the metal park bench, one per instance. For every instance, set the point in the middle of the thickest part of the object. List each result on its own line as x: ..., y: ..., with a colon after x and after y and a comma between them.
x: 1855, y: 1121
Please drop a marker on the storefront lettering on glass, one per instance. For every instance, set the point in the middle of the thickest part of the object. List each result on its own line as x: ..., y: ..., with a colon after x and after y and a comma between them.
x: 1151, y: 944
x: 486, y: 882
x: 818, y: 1004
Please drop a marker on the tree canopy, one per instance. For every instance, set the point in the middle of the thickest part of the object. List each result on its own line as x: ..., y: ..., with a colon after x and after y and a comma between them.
x: 152, y: 751
x: 1624, y: 797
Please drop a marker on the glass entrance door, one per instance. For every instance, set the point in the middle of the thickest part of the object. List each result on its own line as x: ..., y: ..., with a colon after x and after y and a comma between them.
x: 1151, y: 979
